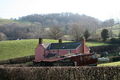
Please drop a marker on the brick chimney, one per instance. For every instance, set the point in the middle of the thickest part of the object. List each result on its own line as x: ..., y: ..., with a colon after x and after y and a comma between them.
x: 83, y: 45
x: 39, y: 51
x: 40, y: 40
x: 60, y: 40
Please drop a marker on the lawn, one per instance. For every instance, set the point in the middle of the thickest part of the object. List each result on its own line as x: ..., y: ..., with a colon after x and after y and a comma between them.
x: 110, y: 64
x: 96, y: 44
x: 19, y: 48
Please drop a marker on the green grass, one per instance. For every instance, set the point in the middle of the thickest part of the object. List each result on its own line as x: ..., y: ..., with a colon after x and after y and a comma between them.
x: 19, y: 48
x: 9, y: 21
x: 96, y: 44
x: 5, y: 21
x: 110, y: 64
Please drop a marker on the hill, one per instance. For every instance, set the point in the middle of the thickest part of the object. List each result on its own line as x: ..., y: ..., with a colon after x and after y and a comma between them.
x: 5, y: 21
x: 35, y: 25
x: 14, y: 29
x: 61, y: 19
x: 20, y: 48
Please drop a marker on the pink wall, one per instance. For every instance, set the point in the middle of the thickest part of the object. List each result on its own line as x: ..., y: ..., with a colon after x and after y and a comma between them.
x: 61, y: 51
x: 84, y: 51
x: 87, y: 50
x: 39, y: 53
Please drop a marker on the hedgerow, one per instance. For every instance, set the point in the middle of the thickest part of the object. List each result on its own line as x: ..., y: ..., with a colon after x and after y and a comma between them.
x: 59, y: 73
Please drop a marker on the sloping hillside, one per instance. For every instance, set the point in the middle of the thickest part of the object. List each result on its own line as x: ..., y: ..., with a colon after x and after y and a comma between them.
x: 6, y: 21
x: 9, y: 21
x: 20, y: 48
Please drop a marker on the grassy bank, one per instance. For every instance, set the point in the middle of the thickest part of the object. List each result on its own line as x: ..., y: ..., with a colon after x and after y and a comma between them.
x: 110, y: 64
x: 20, y: 48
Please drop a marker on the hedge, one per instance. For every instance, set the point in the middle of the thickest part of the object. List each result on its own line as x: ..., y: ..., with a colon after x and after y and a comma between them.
x: 109, y: 48
x: 115, y: 58
x: 18, y: 60
x: 59, y: 73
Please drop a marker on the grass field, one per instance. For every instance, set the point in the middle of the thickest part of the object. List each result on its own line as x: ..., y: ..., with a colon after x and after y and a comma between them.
x: 96, y: 44
x: 110, y: 64
x: 5, y: 21
x: 19, y: 48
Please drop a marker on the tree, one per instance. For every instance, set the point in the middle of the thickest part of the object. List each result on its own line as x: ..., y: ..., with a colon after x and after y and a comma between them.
x: 119, y: 35
x: 76, y: 32
x: 108, y: 23
x: 105, y: 34
x: 55, y: 32
x: 86, y: 34
x: 2, y: 36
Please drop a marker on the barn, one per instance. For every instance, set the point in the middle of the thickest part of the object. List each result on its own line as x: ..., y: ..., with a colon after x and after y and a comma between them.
x: 64, y: 54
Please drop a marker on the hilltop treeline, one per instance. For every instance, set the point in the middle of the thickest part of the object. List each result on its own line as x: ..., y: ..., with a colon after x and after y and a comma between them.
x: 18, y: 30
x: 61, y: 19
x: 64, y: 19
x: 47, y: 25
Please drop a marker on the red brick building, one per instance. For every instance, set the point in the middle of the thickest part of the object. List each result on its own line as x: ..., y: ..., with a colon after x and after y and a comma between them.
x: 76, y: 53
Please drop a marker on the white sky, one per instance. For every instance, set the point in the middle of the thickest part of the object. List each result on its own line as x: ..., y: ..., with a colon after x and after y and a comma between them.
x: 101, y: 9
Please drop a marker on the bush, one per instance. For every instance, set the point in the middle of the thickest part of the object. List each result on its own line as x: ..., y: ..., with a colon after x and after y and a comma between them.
x: 18, y: 60
x: 60, y: 73
x: 2, y: 36
x: 115, y: 58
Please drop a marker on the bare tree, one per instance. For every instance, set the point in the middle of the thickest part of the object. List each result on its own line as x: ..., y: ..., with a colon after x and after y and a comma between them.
x: 2, y: 36
x: 55, y: 32
x: 76, y: 32
x: 119, y: 35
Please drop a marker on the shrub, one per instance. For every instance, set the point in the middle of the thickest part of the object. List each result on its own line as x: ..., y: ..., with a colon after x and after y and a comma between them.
x: 115, y: 58
x: 115, y: 41
x: 2, y: 36
x: 60, y: 73
x: 18, y: 60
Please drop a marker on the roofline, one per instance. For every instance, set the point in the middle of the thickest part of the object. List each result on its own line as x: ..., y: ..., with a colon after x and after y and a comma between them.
x: 65, y: 49
x: 66, y: 42
x: 78, y: 46
x: 61, y: 49
x: 63, y: 43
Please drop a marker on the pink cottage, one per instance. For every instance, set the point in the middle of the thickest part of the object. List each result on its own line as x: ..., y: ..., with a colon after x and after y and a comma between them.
x: 64, y: 54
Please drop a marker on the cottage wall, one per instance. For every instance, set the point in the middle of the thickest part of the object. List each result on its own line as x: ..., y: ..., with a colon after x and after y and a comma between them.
x: 39, y: 53
x: 61, y: 51
x: 86, y: 50
x: 65, y: 51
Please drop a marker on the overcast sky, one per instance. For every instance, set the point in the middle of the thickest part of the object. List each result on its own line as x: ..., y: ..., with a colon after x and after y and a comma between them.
x: 101, y: 9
